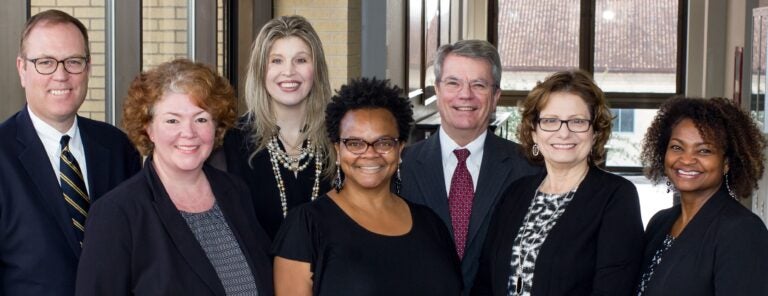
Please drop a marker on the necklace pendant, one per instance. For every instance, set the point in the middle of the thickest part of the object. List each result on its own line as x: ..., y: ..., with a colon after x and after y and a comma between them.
x: 519, y: 287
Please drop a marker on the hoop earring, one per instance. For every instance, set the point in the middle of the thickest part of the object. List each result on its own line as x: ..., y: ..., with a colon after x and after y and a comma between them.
x: 535, y: 150
x: 338, y: 182
x: 728, y: 186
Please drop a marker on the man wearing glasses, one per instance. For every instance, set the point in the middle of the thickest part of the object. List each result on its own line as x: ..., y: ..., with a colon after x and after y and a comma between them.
x: 462, y: 171
x: 53, y: 163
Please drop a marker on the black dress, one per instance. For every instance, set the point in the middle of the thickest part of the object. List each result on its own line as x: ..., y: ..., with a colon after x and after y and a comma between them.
x: 347, y: 259
x: 261, y: 180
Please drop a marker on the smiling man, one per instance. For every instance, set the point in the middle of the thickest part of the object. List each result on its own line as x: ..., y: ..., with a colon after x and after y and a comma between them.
x: 462, y: 171
x: 53, y: 163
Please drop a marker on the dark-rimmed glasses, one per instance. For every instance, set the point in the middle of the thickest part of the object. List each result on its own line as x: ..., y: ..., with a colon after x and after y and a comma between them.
x: 46, y: 66
x: 360, y: 146
x: 574, y: 125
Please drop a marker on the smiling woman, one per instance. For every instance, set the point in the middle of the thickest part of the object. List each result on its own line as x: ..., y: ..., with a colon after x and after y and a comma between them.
x: 179, y: 219
x: 711, y: 153
x: 362, y: 238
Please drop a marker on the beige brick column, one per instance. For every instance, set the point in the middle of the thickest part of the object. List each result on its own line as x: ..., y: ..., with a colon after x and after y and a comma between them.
x: 338, y: 24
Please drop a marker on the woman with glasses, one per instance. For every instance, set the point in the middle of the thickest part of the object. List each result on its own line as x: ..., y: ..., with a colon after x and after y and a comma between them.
x: 574, y: 229
x: 362, y: 238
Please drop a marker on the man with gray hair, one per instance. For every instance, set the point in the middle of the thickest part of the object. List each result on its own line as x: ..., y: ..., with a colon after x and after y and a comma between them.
x: 462, y: 171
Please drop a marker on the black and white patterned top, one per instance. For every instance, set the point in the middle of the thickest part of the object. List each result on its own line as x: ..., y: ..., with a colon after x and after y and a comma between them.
x: 542, y: 215
x: 223, y: 250
x: 655, y: 261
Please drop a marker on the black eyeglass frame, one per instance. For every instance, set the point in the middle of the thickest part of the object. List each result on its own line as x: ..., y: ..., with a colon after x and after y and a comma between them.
x: 567, y: 124
x: 370, y: 144
x: 64, y: 62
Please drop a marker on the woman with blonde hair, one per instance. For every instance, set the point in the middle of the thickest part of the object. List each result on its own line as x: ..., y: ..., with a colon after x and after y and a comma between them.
x: 279, y: 147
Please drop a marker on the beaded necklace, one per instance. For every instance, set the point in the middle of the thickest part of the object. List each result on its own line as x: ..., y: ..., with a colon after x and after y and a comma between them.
x: 277, y: 156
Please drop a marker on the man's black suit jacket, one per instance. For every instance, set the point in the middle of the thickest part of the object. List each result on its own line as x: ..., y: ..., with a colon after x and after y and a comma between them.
x: 38, y: 248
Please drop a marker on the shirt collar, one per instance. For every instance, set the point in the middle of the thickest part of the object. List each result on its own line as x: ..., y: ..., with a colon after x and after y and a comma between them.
x: 48, y: 133
x: 447, y: 145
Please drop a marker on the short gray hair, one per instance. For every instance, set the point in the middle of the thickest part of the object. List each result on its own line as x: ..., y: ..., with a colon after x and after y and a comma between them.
x: 475, y: 49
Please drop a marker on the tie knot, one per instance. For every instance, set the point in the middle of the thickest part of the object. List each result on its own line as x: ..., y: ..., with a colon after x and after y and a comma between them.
x: 64, y: 141
x: 461, y: 154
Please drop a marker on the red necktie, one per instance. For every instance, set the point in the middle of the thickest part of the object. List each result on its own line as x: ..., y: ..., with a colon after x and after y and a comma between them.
x: 460, y: 200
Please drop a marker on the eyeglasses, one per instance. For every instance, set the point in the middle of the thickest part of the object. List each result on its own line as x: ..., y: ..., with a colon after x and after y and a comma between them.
x: 574, y: 125
x: 47, y: 66
x: 454, y: 85
x: 360, y: 146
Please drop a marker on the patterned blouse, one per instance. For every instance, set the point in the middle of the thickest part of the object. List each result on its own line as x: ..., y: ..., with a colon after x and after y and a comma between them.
x: 655, y: 261
x: 542, y: 215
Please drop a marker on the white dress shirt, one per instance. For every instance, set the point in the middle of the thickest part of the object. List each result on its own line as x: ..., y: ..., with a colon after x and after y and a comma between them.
x: 447, y: 145
x: 51, y: 139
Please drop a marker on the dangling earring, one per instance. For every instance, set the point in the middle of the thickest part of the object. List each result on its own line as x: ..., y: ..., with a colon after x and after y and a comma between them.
x: 670, y: 187
x: 535, y: 150
x: 728, y: 186
x: 338, y: 183
x: 398, y: 181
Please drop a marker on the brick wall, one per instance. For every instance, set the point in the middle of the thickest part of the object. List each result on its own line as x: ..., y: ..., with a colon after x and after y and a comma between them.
x: 91, y: 13
x: 164, y: 38
x: 338, y: 24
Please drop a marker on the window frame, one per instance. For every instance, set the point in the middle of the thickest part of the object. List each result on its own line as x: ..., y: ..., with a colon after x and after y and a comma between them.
x: 623, y: 100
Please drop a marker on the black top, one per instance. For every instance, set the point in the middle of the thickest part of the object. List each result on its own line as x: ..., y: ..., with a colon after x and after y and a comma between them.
x: 238, y: 148
x: 722, y: 251
x: 347, y: 259
x: 137, y: 242
x: 594, y: 249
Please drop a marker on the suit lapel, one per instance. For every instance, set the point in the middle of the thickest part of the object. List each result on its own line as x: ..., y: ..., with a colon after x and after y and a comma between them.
x: 431, y: 183
x: 97, y: 159
x: 693, y: 234
x: 179, y: 231
x: 493, y: 173
x: 35, y: 162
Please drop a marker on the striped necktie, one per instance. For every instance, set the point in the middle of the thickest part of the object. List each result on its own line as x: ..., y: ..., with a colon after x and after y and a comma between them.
x: 73, y: 187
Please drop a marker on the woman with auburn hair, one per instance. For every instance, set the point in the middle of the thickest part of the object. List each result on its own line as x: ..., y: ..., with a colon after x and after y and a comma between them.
x: 179, y: 227
x: 711, y: 153
x: 574, y: 229
x: 279, y: 147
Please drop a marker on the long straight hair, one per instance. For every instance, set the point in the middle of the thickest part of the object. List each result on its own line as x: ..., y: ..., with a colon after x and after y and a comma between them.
x: 261, y: 117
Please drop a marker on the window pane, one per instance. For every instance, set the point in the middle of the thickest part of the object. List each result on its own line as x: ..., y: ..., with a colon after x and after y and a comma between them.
x: 414, y: 45
x: 91, y: 14
x: 164, y: 32
x: 431, y: 39
x: 537, y: 38
x: 625, y: 145
x: 636, y: 45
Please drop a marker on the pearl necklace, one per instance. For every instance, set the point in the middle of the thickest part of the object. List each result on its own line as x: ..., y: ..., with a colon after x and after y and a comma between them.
x: 277, y: 156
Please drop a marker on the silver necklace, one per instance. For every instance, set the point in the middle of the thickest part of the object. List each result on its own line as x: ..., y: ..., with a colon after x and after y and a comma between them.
x: 277, y: 156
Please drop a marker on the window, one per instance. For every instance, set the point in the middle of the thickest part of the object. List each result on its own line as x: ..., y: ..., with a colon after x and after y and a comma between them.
x: 623, y: 120
x: 634, y: 49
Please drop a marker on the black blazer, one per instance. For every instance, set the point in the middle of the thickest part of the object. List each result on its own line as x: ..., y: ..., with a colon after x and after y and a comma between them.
x: 137, y: 242
x: 722, y: 251
x: 38, y: 247
x: 594, y: 249
x: 422, y: 177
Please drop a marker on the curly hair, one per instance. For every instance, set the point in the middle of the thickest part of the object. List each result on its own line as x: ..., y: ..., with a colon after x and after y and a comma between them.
x: 367, y: 93
x: 719, y: 121
x: 261, y: 119
x: 206, y: 88
x: 576, y: 82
